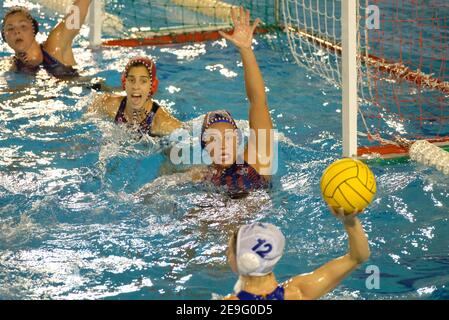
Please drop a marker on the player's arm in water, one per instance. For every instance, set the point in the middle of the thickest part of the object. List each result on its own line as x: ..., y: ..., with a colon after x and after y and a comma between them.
x: 259, y: 115
x: 60, y: 39
x: 317, y: 283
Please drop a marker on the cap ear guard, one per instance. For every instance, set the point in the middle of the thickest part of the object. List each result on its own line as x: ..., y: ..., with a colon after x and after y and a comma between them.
x: 248, y: 263
x: 154, y: 86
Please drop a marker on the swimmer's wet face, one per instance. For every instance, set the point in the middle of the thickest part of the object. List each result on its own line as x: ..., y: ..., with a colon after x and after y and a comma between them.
x: 221, y: 140
x: 19, y: 31
x: 138, y: 85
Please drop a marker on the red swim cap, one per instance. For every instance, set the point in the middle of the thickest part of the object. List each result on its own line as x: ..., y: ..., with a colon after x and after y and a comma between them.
x: 147, y: 63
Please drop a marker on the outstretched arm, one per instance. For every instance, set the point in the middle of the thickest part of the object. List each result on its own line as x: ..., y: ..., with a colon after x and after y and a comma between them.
x: 259, y: 115
x: 67, y: 29
x: 317, y: 283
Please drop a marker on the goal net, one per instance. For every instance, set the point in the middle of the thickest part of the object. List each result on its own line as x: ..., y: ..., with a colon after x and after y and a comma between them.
x: 402, y: 62
x: 402, y: 52
x: 153, y: 22
x: 145, y: 22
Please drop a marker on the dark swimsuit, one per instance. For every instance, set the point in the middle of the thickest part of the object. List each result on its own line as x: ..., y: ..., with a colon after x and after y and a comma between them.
x: 53, y: 66
x: 239, y: 179
x: 277, y: 294
x: 25, y: 68
x: 145, y: 126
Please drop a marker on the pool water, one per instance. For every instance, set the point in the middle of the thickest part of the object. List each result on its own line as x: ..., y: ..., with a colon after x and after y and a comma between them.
x: 75, y: 224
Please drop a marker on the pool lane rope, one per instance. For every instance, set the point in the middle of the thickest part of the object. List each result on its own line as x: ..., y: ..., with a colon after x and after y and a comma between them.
x: 429, y: 154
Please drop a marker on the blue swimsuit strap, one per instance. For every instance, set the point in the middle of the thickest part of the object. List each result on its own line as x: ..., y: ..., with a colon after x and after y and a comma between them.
x: 277, y: 294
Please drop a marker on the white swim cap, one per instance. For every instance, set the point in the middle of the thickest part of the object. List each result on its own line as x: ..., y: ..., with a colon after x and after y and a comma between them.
x: 259, y: 248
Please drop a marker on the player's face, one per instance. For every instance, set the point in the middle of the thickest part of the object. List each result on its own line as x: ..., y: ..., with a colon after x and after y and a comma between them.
x: 138, y: 85
x: 221, y: 143
x: 19, y: 32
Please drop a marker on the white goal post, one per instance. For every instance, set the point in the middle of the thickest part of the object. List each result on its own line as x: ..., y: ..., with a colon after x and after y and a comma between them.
x: 349, y: 77
x: 95, y: 22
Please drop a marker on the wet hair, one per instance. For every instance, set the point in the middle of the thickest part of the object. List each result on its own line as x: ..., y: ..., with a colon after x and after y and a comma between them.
x: 23, y: 10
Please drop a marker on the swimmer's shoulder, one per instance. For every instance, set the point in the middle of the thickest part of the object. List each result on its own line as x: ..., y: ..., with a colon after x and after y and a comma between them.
x: 114, y: 100
x: 107, y: 103
x: 164, y: 123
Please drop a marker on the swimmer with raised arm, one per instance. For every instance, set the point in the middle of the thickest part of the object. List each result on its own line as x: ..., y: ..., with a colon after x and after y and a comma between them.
x: 254, y: 250
x: 19, y: 31
x: 220, y: 137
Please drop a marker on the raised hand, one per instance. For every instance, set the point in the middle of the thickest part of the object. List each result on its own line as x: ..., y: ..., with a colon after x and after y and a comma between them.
x: 340, y: 214
x: 243, y: 30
